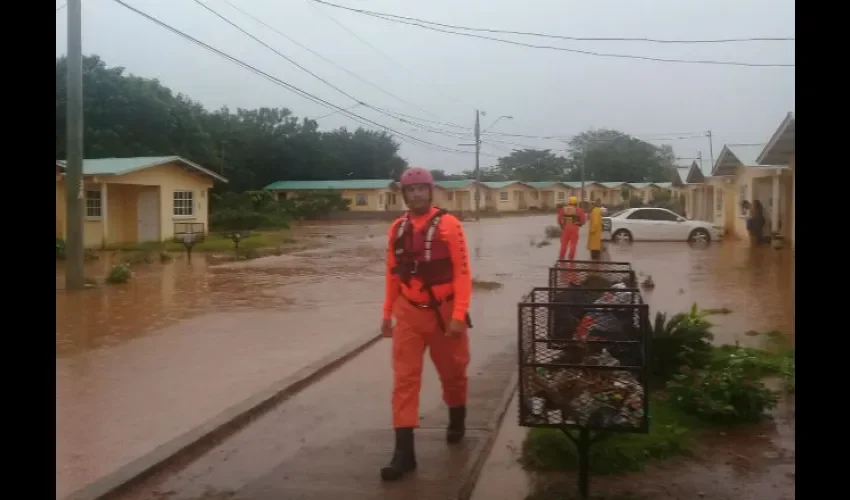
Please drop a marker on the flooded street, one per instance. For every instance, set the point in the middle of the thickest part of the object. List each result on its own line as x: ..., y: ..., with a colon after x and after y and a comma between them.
x: 141, y: 363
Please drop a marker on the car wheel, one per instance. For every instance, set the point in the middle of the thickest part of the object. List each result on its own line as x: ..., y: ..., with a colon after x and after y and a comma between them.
x: 699, y: 235
x: 622, y: 236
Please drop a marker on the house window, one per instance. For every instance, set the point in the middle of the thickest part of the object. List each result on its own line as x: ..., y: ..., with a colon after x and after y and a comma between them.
x: 450, y: 196
x: 380, y: 199
x: 718, y: 198
x: 742, y: 197
x: 94, y: 204
x: 488, y: 197
x: 503, y: 196
x: 184, y: 205
x: 391, y: 199
x: 561, y: 195
x: 360, y: 201
x: 534, y: 195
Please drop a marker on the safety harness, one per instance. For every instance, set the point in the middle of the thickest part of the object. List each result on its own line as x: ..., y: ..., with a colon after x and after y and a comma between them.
x: 429, y: 268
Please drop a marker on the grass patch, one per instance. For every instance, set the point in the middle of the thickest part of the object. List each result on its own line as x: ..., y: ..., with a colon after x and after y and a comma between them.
x: 485, y: 285
x: 217, y: 242
x: 671, y: 433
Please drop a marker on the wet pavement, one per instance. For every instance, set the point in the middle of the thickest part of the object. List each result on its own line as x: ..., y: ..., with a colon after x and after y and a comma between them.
x: 190, y: 341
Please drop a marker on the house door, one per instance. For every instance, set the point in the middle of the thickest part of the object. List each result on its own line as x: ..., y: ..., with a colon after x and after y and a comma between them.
x: 147, y: 216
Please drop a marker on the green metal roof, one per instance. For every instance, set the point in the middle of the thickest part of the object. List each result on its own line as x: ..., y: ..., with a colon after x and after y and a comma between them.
x: 663, y: 185
x: 501, y: 184
x: 121, y: 166
x: 332, y: 185
x: 577, y: 184
x: 543, y: 184
x: 639, y: 185
x: 455, y: 184
x: 612, y: 185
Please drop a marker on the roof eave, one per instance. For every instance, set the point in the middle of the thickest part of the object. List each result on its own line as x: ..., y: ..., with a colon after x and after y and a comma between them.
x: 779, y: 136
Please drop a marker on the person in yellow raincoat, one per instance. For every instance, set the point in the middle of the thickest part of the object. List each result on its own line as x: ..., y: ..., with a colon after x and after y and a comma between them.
x: 594, y: 233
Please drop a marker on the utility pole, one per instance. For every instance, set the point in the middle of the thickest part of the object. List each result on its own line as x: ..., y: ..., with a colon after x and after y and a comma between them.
x: 581, y: 172
x: 75, y: 196
x: 699, y: 157
x: 477, y: 165
x: 710, y: 148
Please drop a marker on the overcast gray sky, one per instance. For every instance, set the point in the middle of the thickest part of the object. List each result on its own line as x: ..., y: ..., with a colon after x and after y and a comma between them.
x: 446, y: 77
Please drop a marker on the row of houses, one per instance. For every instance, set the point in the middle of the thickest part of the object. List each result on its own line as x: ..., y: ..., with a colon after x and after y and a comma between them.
x: 746, y: 173
x: 130, y: 200
x: 384, y: 195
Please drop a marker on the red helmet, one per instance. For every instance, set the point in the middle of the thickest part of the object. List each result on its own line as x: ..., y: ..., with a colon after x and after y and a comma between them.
x: 416, y: 175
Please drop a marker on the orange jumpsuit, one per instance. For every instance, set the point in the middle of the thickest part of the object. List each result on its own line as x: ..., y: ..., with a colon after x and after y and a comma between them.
x: 417, y: 328
x: 570, y: 218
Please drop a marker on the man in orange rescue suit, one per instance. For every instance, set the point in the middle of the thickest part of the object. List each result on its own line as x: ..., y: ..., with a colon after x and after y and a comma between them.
x: 428, y: 289
x: 570, y: 218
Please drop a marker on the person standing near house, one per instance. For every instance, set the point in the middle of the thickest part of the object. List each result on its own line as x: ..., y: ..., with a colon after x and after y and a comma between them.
x: 594, y: 234
x: 428, y: 291
x: 570, y: 218
x: 756, y: 223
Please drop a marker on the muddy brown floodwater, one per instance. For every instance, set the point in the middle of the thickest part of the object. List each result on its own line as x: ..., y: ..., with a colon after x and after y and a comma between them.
x: 141, y: 363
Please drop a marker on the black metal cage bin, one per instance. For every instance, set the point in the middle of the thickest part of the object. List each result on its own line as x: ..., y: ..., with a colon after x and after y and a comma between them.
x: 584, y: 364
x: 591, y: 274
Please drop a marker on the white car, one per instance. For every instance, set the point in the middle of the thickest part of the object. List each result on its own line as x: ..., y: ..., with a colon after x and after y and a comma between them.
x: 656, y: 224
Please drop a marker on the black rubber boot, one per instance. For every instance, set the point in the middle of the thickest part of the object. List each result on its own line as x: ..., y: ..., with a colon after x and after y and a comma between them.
x: 457, y: 424
x: 404, y: 457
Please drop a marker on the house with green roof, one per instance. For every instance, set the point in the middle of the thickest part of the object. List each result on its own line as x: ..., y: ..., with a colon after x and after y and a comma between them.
x: 138, y: 199
x: 511, y: 196
x: 552, y: 193
x: 364, y: 195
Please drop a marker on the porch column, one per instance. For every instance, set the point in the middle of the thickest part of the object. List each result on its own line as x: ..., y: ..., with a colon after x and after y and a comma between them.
x: 104, y: 217
x: 775, y: 208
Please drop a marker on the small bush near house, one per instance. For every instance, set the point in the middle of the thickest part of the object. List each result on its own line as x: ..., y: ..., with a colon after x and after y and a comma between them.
x: 120, y: 273
x: 165, y: 257
x: 553, y: 232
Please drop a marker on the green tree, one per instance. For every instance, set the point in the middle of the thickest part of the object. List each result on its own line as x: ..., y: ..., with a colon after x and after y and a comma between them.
x: 531, y: 165
x: 126, y: 115
x: 613, y: 156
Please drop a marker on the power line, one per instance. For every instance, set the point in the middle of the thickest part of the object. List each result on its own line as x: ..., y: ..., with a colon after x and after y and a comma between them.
x: 559, y: 37
x: 290, y: 60
x: 320, y: 56
x: 377, y: 50
x: 281, y: 83
x: 564, y: 49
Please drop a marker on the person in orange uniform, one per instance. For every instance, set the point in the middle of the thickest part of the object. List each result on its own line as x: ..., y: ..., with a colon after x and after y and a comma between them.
x: 428, y: 290
x: 570, y: 218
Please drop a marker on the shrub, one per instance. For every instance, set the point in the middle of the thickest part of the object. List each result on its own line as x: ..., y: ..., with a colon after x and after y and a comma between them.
x: 553, y: 232
x: 120, y: 273
x: 726, y: 395
x: 683, y: 340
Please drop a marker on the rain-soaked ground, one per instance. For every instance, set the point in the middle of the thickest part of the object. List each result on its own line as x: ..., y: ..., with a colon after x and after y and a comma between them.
x: 141, y: 363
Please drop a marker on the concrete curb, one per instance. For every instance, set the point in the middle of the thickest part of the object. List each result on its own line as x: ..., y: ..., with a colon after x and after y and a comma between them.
x: 225, y: 423
x: 477, y: 464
